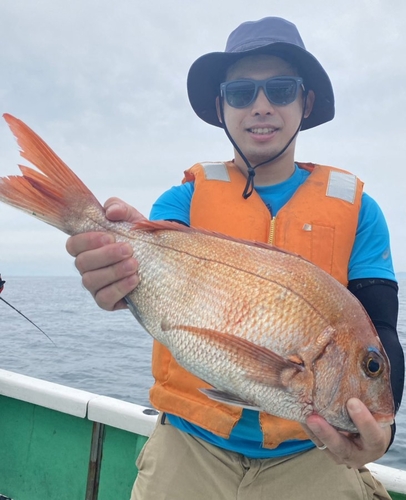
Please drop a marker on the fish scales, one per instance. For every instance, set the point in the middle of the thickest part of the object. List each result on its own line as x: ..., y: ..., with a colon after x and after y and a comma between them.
x: 208, y: 284
x: 259, y: 326
x: 261, y: 313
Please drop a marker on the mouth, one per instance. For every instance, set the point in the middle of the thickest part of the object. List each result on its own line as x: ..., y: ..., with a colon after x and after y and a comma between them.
x: 262, y: 130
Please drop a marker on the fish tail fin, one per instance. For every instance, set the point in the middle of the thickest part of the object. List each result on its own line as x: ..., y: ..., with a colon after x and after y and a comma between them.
x: 53, y: 193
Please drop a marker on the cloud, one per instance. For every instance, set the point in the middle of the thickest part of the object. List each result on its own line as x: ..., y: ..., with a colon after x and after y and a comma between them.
x: 105, y: 85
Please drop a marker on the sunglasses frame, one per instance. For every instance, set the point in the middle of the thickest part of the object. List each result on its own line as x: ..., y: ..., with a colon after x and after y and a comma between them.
x: 261, y: 84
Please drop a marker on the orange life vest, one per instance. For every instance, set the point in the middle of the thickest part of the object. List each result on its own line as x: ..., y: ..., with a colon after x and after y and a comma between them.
x: 319, y: 223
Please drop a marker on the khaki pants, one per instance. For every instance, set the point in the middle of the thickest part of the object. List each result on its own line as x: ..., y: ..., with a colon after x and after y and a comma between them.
x: 176, y: 466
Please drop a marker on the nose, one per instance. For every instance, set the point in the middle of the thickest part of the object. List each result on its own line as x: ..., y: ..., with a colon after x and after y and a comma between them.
x: 262, y: 105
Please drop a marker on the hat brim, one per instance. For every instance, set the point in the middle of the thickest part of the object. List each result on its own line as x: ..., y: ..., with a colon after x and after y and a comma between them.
x: 208, y: 72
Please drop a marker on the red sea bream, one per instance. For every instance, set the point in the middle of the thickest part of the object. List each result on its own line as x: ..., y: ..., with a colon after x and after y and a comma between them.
x: 264, y: 328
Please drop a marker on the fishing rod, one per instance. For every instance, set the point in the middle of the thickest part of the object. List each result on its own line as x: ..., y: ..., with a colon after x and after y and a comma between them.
x: 19, y: 312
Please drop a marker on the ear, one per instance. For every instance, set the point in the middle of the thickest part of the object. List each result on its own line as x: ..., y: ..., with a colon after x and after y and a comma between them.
x: 218, y: 108
x: 309, y: 103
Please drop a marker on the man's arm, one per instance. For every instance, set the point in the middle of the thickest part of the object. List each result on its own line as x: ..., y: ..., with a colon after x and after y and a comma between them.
x: 380, y: 300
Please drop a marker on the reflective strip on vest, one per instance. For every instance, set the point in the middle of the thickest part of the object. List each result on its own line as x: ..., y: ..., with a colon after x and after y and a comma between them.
x: 216, y: 171
x: 342, y: 186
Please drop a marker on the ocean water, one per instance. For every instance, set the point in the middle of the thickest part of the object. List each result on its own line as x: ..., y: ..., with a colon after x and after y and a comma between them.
x: 98, y: 351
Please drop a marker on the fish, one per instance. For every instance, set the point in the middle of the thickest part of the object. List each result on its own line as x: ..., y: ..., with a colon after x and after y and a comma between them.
x: 261, y: 327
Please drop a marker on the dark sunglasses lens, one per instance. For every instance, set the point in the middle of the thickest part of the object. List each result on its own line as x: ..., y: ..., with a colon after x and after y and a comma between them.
x: 240, y: 94
x: 280, y: 91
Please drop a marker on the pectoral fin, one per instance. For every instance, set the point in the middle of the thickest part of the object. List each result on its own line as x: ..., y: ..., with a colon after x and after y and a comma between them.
x: 258, y: 363
x: 229, y: 399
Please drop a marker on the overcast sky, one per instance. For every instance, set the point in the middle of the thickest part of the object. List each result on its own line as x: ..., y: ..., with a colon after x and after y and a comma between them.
x: 104, y: 84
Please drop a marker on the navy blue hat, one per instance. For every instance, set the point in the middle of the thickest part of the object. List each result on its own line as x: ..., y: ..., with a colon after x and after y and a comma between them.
x: 273, y: 36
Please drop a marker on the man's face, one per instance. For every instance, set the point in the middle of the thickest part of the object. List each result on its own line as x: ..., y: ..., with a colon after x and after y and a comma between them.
x: 262, y: 129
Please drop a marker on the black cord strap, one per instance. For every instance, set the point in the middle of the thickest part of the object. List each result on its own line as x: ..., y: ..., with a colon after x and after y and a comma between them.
x: 249, y: 186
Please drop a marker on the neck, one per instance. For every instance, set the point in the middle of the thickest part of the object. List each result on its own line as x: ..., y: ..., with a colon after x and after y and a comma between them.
x: 271, y: 173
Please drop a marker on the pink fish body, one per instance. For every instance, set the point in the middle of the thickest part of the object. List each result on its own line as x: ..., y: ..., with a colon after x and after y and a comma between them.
x: 261, y: 327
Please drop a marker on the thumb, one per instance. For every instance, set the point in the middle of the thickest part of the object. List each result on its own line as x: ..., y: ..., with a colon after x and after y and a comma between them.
x: 118, y: 210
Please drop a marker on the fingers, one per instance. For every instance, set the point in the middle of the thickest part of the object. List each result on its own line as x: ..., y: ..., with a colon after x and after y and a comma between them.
x: 311, y: 435
x: 79, y: 243
x: 118, y: 210
x: 108, y: 270
x: 338, y: 446
x: 353, y: 450
x: 109, y: 273
x: 102, y: 257
x: 371, y: 434
x: 110, y: 298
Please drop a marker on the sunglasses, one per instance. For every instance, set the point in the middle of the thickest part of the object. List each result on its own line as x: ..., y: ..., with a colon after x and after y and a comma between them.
x: 280, y: 90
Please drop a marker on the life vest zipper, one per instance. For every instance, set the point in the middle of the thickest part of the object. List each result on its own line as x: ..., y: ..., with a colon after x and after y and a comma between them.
x: 272, y: 230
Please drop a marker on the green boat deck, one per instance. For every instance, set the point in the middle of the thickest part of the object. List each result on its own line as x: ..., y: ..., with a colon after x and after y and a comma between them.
x: 46, y: 441
x: 60, y: 443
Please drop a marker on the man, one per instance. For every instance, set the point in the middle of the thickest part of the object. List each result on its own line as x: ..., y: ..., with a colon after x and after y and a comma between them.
x: 262, y: 90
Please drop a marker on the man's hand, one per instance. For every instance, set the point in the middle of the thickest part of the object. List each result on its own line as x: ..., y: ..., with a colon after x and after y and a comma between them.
x: 107, y: 268
x: 353, y: 450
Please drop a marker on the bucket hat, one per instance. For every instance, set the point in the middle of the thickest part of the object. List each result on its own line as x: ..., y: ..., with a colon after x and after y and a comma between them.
x: 270, y: 35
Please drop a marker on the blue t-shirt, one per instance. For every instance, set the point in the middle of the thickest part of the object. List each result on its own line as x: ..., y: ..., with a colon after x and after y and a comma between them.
x: 370, y: 258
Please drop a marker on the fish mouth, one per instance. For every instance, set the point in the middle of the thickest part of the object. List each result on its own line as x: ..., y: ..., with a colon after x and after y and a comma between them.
x: 384, y: 419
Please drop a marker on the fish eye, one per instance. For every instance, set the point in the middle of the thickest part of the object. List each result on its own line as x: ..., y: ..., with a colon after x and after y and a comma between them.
x: 373, y: 364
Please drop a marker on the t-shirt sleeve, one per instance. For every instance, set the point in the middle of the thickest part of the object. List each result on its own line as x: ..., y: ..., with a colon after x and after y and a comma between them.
x: 371, y: 254
x: 174, y: 204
